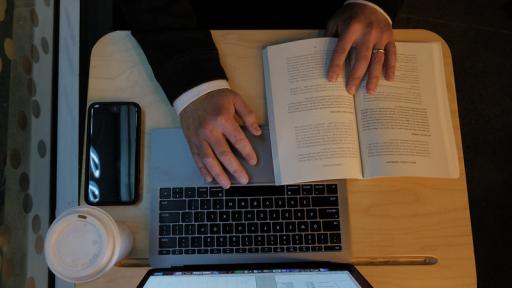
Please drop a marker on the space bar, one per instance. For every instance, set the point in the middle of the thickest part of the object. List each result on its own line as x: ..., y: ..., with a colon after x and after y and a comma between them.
x: 255, y: 191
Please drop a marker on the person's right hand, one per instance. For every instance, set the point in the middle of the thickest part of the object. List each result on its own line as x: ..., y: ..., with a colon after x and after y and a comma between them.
x: 208, y: 124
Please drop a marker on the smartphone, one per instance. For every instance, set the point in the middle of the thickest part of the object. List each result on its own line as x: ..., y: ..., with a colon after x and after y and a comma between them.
x: 112, y: 153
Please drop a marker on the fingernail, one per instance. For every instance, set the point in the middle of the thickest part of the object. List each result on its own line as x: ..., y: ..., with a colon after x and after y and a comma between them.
x: 371, y: 91
x: 244, y: 179
x: 208, y: 179
x: 225, y: 185
x: 253, y: 161
x: 257, y: 130
x: 332, y: 77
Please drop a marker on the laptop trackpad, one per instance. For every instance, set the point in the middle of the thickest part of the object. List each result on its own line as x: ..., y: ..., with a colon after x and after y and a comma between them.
x: 171, y: 162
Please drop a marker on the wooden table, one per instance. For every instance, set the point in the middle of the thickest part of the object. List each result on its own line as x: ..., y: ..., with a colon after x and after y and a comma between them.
x: 393, y: 216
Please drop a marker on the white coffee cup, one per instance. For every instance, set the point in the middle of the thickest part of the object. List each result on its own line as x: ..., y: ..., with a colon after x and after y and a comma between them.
x: 85, y: 242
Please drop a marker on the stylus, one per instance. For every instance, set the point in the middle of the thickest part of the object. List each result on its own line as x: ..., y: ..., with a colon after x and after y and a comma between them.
x: 396, y: 260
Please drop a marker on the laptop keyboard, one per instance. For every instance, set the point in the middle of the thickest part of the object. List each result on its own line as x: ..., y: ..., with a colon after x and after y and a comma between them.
x: 249, y: 219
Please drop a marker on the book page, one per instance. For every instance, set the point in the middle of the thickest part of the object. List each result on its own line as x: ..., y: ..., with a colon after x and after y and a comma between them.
x: 405, y: 129
x: 312, y: 121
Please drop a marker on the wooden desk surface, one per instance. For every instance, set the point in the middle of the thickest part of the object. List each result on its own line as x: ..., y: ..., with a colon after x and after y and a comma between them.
x: 392, y: 216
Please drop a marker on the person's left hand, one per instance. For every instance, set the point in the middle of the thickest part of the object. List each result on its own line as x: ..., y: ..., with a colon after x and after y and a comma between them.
x: 362, y: 29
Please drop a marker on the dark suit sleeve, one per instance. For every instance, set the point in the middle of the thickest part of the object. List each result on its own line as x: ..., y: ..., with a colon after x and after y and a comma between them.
x: 180, y: 55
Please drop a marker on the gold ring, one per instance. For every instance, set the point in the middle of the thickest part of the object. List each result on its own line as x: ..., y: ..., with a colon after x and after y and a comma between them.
x: 376, y: 50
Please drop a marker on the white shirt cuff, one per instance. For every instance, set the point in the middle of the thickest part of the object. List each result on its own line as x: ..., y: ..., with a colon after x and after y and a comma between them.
x: 370, y: 4
x: 188, y: 97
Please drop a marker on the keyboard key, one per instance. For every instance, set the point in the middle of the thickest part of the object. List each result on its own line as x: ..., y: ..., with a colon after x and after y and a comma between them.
x: 329, y: 213
x: 278, y: 249
x: 224, y: 216
x: 199, y: 216
x: 322, y: 238
x: 291, y: 249
x: 261, y: 215
x: 297, y: 239
x: 272, y: 240
x: 202, y: 192
x: 331, y: 225
x: 292, y: 190
x: 287, y: 214
x: 228, y: 250
x: 227, y: 228
x: 284, y: 239
x: 316, y: 249
x: 215, y: 251
x: 190, y: 192
x: 280, y: 202
x: 241, y: 250
x: 189, y: 229
x: 165, y: 193
x: 253, y: 250
x: 259, y: 240
x: 305, y: 201
x: 240, y: 228
x: 193, y: 204
x: 252, y: 228
x: 234, y: 241
x: 292, y: 202
x: 304, y: 249
x: 307, y: 189
x: 183, y: 242
x: 309, y: 239
x: 205, y: 204
x: 189, y: 251
x: 266, y: 249
x: 177, y: 251
x: 211, y: 216
x: 302, y: 226
x: 164, y: 230
x: 324, y: 201
x: 246, y: 240
x: 218, y: 204
x: 202, y: 251
x: 167, y: 242
x: 265, y: 227
x: 216, y: 192
x: 267, y: 203
x: 237, y: 216
x: 230, y: 203
x: 173, y: 205
x: 215, y: 228
x: 202, y: 229
x: 299, y: 214
x: 242, y: 203
x: 209, y: 241
x: 164, y: 252
x: 311, y: 214
x: 334, y: 238
x: 274, y: 215
x: 187, y: 217
x: 177, y: 193
x: 177, y: 229
x: 255, y: 191
x: 196, y: 242
x: 331, y: 189
x: 255, y: 203
x: 249, y: 215
x: 277, y: 227
x: 221, y: 241
x: 290, y: 227
x: 332, y: 248
x: 319, y: 189
x: 169, y: 217
x: 315, y: 226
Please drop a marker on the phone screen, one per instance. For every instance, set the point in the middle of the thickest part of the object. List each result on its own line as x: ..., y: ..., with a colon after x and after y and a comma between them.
x: 112, y: 153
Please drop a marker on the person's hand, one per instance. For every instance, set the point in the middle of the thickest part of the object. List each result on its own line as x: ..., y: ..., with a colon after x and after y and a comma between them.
x: 362, y: 28
x: 209, y: 123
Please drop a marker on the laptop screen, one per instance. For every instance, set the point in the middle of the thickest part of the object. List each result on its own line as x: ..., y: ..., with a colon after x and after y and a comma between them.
x: 273, y: 278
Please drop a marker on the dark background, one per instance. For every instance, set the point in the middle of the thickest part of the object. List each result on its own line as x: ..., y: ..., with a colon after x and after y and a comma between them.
x: 479, y: 34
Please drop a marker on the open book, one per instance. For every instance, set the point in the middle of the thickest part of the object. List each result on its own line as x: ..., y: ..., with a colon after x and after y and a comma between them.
x: 318, y: 131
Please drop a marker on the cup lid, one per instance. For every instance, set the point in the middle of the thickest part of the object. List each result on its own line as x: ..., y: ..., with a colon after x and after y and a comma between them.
x: 80, y: 244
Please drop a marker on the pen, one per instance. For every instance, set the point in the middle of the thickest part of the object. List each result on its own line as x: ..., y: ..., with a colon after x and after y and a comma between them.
x: 396, y: 260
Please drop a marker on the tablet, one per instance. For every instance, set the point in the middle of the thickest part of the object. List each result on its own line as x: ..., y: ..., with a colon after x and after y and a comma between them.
x: 285, y: 275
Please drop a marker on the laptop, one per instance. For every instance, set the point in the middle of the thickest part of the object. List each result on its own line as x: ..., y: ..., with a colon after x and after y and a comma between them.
x: 284, y: 275
x: 194, y: 222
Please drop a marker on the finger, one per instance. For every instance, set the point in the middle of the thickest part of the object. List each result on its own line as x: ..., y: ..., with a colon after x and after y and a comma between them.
x: 200, y: 165
x: 237, y: 137
x: 374, y: 71
x: 213, y: 165
x: 363, y: 55
x: 248, y: 116
x: 332, y: 28
x: 390, y: 61
x: 339, y: 55
x: 227, y: 158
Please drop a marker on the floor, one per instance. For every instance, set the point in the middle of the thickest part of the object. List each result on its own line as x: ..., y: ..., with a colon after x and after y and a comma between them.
x: 479, y: 34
